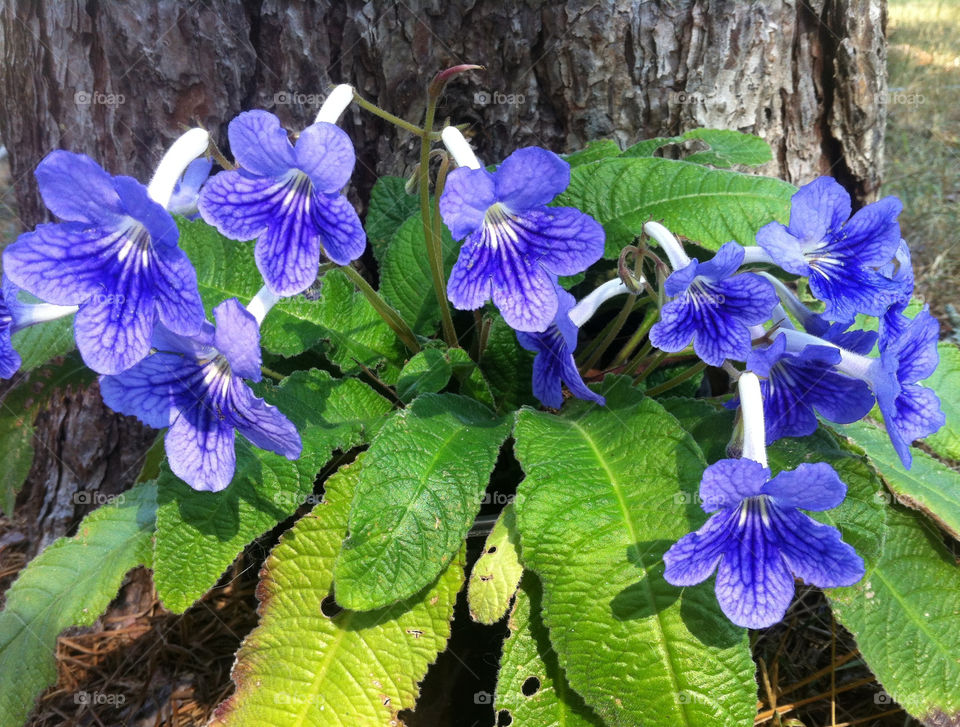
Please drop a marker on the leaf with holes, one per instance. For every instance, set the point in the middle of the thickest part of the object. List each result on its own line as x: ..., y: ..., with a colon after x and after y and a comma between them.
x: 708, y: 206
x: 420, y: 490
x: 530, y: 685
x: 599, y: 506
x: 496, y: 574
x: 594, y: 151
x: 405, y: 278
x: 928, y: 486
x: 69, y: 584
x: 725, y: 147
x: 200, y: 533
x: 390, y: 206
x: 303, y: 664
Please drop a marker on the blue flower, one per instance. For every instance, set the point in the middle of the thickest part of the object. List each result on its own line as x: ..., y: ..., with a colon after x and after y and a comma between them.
x: 910, y: 411
x: 186, y: 192
x: 115, y: 255
x: 196, y: 387
x: 758, y: 540
x: 515, y: 245
x: 713, y: 307
x: 288, y: 197
x: 9, y: 358
x: 840, y: 256
x: 796, y: 384
x: 554, y: 364
x: 900, y: 271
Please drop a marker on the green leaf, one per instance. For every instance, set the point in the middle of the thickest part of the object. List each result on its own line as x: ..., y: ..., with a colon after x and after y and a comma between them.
x: 427, y: 372
x: 68, y: 584
x: 946, y: 382
x: 725, y: 148
x: 18, y: 410
x: 420, y: 490
x: 711, y: 427
x: 594, y: 151
x: 44, y: 341
x: 390, y: 205
x: 226, y: 269
x: 200, y: 533
x: 529, y: 662
x: 405, y: 278
x: 472, y: 381
x: 906, y: 620
x: 600, y: 505
x: 301, y: 666
x: 928, y: 486
x: 708, y: 206
x: 496, y: 574
x: 507, y: 366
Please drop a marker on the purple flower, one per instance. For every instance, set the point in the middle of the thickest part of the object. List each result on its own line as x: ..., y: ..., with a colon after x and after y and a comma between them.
x: 196, y: 387
x: 9, y: 358
x: 899, y: 270
x: 115, y: 255
x: 515, y: 245
x: 840, y: 256
x: 796, y: 384
x: 288, y: 197
x: 554, y: 364
x: 713, y: 307
x: 758, y: 540
x: 186, y: 192
x: 910, y: 411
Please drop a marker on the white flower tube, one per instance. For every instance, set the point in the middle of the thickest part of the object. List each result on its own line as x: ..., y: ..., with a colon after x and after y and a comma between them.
x: 261, y: 303
x: 459, y: 148
x: 335, y: 104
x: 670, y: 245
x: 584, y: 310
x: 751, y: 414
x: 184, y: 150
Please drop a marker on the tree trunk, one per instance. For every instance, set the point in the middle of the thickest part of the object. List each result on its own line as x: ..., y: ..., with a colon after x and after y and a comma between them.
x: 119, y: 81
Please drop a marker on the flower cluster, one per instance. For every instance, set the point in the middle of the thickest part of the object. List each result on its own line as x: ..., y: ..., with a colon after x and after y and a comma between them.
x: 114, y: 260
x: 811, y: 364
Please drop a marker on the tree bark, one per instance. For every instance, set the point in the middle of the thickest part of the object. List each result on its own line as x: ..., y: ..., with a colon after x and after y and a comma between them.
x: 119, y: 81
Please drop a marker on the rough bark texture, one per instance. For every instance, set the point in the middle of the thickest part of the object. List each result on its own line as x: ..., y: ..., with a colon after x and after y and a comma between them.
x: 119, y: 81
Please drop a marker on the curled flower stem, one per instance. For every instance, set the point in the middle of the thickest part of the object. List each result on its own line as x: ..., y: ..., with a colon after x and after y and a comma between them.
x: 184, y: 150
x: 386, y: 115
x: 392, y: 318
x: 335, y: 104
x: 751, y: 406
x: 677, y: 380
x: 668, y: 243
x: 430, y: 232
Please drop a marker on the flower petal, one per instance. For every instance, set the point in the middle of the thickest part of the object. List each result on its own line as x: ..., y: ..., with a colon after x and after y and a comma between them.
x: 201, y: 451
x: 872, y: 235
x: 241, y: 205
x: 531, y: 177
x: 727, y: 482
x: 263, y: 424
x: 694, y: 557
x: 471, y: 279
x: 178, y: 299
x: 341, y: 232
x: 467, y: 195
x: 113, y: 330
x: 679, y: 281
x: 158, y: 222
x: 288, y: 253
x: 676, y: 327
x: 917, y: 349
x: 817, y: 208
x: 60, y: 263
x: 237, y: 337
x: 260, y: 144
x: 849, y: 289
x: 724, y: 263
x: 74, y: 187
x: 814, y: 551
x: 149, y: 389
x: 564, y: 240
x: 811, y: 486
x: 524, y: 294
x: 754, y: 586
x: 917, y: 414
x: 783, y: 248
x: 325, y: 153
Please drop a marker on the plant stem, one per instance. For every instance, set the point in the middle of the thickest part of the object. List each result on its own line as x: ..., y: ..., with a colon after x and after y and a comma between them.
x: 677, y: 380
x: 434, y: 247
x: 649, y: 318
x: 386, y: 312
x: 387, y: 116
x: 275, y: 375
x: 652, y: 366
x: 634, y: 363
